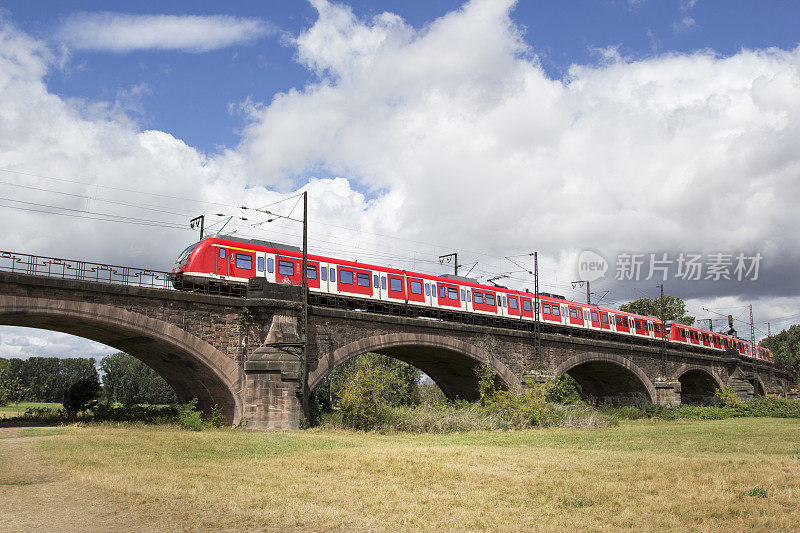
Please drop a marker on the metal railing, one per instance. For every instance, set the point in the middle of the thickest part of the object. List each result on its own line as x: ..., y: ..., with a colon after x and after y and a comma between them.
x: 73, y: 269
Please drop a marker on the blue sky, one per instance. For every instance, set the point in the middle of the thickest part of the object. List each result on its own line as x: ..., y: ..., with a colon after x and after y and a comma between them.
x: 487, y: 128
x: 194, y: 95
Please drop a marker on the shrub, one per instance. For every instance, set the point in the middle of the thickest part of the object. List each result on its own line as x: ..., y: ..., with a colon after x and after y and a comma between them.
x: 361, y: 397
x: 44, y: 415
x: 727, y: 397
x: 189, y: 417
x: 564, y: 390
x: 215, y: 418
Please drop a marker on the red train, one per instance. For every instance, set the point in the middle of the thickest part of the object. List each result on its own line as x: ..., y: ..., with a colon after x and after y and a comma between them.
x: 232, y: 261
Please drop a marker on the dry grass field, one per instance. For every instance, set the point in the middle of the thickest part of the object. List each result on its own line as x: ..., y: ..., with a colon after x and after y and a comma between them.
x: 727, y: 475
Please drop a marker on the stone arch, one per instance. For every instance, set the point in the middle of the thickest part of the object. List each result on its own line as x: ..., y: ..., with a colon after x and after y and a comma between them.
x: 192, y: 366
x: 698, y: 384
x: 449, y: 362
x: 609, y: 377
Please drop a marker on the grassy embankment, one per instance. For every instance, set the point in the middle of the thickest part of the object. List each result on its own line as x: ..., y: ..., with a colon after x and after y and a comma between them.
x: 10, y: 410
x: 733, y: 475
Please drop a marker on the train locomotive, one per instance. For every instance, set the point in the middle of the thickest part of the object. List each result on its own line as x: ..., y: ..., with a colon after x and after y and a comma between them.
x: 231, y: 262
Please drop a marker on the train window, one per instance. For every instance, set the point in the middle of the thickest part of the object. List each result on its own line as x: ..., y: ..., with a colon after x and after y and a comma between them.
x: 683, y: 333
x: 442, y: 291
x: 452, y: 293
x: 604, y: 318
x: 512, y: 303
x: 270, y: 265
x: 573, y: 313
x: 324, y: 273
x: 260, y: 264
x: 526, y: 305
x: 501, y: 301
x: 427, y: 289
x: 415, y: 287
x: 595, y: 316
x: 395, y: 284
x: 490, y: 299
x: 619, y: 321
x: 222, y: 253
x: 333, y: 275
x: 478, y: 297
x: 625, y: 322
x: 433, y: 289
x: 362, y: 279
x: 345, y: 277
x: 377, y: 280
x: 580, y: 314
x: 463, y: 294
x: 650, y: 326
x: 556, y: 310
x: 656, y: 328
x: 285, y: 268
x: 638, y: 324
x: 244, y: 261
x: 469, y: 296
x: 383, y: 282
x: 311, y: 271
x: 546, y: 308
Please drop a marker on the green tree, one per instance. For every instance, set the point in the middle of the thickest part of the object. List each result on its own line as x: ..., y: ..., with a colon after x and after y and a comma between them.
x: 674, y: 307
x: 13, y: 389
x: 81, y: 395
x: 129, y: 381
x: 4, y: 376
x: 785, y: 347
x: 47, y: 378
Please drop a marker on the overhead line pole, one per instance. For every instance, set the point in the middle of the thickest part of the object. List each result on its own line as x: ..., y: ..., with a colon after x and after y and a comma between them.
x: 304, y: 333
x: 537, y: 341
x: 663, y: 333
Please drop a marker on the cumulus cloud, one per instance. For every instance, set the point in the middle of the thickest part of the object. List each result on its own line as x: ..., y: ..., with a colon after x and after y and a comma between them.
x: 417, y: 142
x: 122, y: 32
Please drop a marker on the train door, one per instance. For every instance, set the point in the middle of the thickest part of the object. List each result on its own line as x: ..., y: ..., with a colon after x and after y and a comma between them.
x: 575, y: 316
x: 595, y: 316
x: 222, y: 261
x: 396, y: 290
x: 527, y: 307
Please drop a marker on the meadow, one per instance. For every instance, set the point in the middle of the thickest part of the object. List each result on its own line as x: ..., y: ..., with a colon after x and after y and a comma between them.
x: 711, y: 475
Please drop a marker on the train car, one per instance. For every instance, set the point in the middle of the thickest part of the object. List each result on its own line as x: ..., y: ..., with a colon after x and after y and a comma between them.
x: 231, y: 261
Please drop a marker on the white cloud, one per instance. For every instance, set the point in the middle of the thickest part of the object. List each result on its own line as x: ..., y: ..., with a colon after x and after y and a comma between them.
x: 122, y: 32
x: 683, y: 25
x: 448, y: 138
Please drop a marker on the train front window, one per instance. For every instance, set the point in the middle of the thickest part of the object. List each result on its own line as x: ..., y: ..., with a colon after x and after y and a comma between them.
x: 184, y: 255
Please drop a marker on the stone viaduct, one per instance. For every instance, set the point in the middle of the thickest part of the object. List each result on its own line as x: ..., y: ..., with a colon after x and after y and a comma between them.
x: 243, y: 353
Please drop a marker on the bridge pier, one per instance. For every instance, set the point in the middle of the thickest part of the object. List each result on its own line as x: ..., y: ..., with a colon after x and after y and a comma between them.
x: 272, y: 373
x: 668, y: 391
